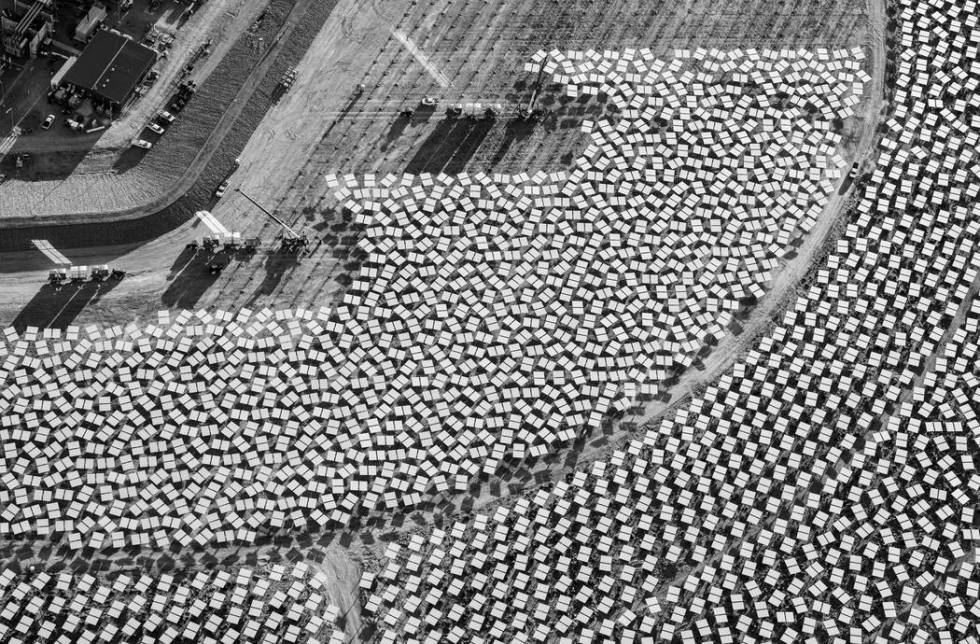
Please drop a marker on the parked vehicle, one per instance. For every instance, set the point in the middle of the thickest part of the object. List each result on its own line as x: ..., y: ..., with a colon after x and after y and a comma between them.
x: 220, y: 192
x: 142, y: 143
x: 48, y: 122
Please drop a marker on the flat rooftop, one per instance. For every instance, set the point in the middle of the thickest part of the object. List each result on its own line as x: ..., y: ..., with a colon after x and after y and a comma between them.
x: 111, y: 66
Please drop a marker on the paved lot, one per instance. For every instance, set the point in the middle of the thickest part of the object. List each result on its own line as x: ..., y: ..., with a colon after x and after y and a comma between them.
x: 136, y: 182
x: 86, y: 168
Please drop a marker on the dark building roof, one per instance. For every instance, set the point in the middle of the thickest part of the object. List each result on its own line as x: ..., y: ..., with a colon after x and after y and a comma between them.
x: 111, y: 66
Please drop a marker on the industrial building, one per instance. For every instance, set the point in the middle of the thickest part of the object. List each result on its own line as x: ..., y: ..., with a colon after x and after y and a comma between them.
x: 109, y: 70
x: 25, y: 26
x: 90, y: 22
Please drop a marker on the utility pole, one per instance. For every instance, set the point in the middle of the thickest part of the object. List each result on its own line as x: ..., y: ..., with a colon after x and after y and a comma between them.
x: 3, y: 101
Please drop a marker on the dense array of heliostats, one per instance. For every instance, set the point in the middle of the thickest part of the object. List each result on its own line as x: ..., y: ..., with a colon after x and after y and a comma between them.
x: 826, y: 487
x: 494, y: 316
x: 277, y: 604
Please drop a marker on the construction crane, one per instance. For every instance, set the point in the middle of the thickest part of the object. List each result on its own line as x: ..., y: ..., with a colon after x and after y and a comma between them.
x: 295, y: 240
x: 528, y: 112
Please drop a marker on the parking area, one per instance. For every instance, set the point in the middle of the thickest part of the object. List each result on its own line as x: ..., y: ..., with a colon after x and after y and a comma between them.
x: 44, y: 148
x: 44, y: 145
x: 22, y: 87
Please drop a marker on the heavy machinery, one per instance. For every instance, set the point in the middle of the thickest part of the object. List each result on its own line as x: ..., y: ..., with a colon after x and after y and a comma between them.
x: 475, y: 111
x: 493, y: 111
x: 78, y: 274
x: 101, y: 272
x: 65, y: 271
x: 232, y: 241
x: 219, y: 237
x: 294, y: 244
